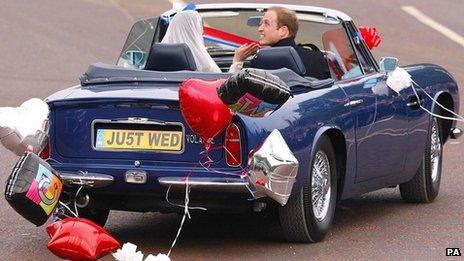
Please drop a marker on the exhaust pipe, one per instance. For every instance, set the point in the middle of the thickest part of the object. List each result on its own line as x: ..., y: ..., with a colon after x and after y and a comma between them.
x: 67, y: 198
x: 82, y: 200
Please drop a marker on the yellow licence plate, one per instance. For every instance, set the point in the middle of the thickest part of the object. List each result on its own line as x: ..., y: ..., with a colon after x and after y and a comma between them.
x: 139, y: 140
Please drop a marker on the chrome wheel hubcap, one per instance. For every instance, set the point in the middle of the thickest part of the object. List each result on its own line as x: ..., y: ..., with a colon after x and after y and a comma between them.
x: 435, y: 150
x: 320, y: 185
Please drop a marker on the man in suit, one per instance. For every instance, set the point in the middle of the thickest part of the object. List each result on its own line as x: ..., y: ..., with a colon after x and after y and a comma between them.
x: 279, y: 27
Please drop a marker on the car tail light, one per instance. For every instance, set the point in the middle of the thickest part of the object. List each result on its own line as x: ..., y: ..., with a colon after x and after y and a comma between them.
x: 232, y: 146
x: 45, y: 153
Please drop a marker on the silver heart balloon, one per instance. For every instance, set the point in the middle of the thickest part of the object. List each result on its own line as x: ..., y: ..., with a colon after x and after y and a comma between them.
x: 273, y: 169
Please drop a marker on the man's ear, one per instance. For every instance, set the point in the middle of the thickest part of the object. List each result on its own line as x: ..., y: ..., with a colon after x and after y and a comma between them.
x: 284, y: 32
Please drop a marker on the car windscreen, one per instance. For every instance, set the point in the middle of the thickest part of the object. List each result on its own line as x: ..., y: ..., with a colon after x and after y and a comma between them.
x: 135, y: 51
x: 224, y: 31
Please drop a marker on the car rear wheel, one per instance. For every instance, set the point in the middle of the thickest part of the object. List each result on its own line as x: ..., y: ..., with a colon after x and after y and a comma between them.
x: 308, y: 214
x: 424, y: 186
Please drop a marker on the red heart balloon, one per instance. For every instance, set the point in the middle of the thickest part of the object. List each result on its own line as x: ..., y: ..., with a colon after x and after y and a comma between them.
x: 80, y: 239
x: 202, y: 108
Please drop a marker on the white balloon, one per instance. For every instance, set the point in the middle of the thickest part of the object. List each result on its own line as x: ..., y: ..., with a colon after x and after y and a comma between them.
x: 128, y: 252
x: 159, y: 257
x: 24, y: 126
x: 399, y: 80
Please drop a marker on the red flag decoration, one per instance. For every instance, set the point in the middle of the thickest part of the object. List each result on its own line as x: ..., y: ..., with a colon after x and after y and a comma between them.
x: 371, y: 36
x: 225, y: 39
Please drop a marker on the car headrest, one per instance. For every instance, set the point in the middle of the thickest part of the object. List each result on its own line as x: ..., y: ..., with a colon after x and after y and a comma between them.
x: 170, y: 57
x: 279, y: 57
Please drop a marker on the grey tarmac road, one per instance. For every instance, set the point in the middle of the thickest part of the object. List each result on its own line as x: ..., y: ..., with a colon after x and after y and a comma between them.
x: 46, y: 45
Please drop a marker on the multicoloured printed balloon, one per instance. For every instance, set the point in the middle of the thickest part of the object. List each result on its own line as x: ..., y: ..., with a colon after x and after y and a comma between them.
x: 33, y: 188
x: 254, y: 92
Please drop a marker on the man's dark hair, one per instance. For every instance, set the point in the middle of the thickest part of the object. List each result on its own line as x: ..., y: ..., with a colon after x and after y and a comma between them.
x: 286, y: 17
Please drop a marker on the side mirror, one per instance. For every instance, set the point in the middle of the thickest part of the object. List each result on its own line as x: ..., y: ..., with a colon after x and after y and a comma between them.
x: 254, y: 21
x: 388, y: 64
x: 137, y: 58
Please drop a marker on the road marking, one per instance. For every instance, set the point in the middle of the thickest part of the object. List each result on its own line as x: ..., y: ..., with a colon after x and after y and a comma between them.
x: 433, y: 24
x: 177, y: 4
x: 116, y: 4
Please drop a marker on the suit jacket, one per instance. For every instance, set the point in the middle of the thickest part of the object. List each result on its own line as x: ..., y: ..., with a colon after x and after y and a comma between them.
x: 313, y: 60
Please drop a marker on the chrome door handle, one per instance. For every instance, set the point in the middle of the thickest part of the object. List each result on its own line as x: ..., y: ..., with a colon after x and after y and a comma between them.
x: 415, y: 103
x: 411, y: 104
x: 354, y: 103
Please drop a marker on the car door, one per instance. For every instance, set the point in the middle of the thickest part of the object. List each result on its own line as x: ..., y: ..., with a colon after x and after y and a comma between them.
x: 381, y: 123
x: 379, y: 114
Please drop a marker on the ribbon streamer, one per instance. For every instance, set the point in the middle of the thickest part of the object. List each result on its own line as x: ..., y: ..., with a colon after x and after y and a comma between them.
x: 460, y: 118
x: 186, y: 213
x: 400, y: 79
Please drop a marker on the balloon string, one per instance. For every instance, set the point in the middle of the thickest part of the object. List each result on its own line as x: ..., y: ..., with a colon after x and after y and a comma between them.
x: 461, y: 119
x: 179, y: 205
x: 443, y: 107
x: 185, y: 206
x: 243, y: 174
x: 69, y: 209
x: 186, y: 213
x: 205, y: 162
x: 75, y: 213
x: 75, y: 200
x: 208, y: 161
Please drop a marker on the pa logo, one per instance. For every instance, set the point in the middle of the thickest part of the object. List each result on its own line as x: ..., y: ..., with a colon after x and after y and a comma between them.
x: 453, y: 251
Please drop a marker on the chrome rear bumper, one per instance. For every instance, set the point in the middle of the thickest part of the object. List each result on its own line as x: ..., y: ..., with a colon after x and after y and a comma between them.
x: 232, y: 185
x: 85, y: 179
x: 96, y: 180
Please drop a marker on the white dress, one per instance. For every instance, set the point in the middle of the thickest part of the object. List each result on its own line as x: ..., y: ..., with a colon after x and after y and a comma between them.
x: 187, y: 27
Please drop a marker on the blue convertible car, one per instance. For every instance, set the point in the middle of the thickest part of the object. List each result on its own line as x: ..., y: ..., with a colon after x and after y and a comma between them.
x: 351, y: 134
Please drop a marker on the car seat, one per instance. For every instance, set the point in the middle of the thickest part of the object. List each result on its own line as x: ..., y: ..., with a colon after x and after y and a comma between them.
x: 170, y: 57
x: 277, y: 58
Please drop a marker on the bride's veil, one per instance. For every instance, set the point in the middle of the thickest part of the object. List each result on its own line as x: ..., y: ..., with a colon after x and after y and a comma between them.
x: 187, y: 27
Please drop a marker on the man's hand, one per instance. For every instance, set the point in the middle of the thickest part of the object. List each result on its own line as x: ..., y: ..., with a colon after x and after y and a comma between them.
x: 245, y: 51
